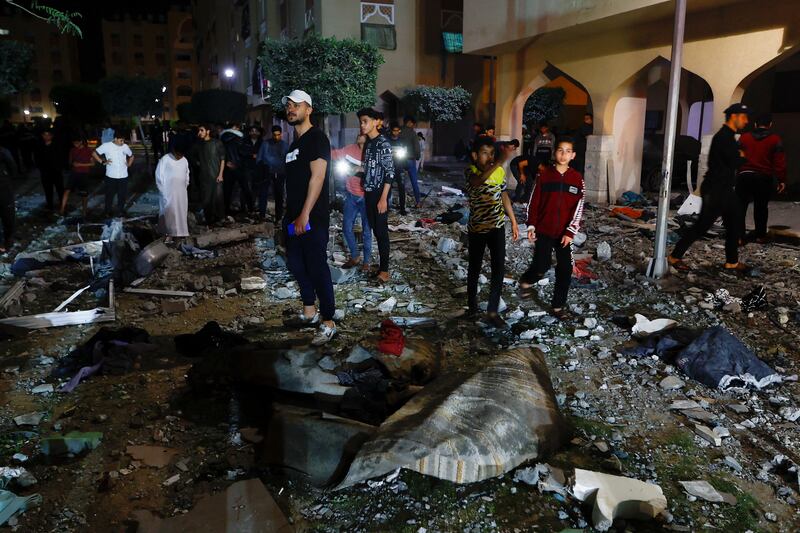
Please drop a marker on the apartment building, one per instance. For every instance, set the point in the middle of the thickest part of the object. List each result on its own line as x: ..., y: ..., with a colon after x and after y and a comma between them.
x: 55, y: 61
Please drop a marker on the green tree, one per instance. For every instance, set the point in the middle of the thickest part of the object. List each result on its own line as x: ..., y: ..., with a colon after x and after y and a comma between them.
x: 132, y: 98
x: 543, y: 105
x: 437, y: 104
x: 217, y: 105
x: 78, y: 102
x: 15, y: 62
x: 339, y: 74
x: 63, y: 20
x: 185, y: 112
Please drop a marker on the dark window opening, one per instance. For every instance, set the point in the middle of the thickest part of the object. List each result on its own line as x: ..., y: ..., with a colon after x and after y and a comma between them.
x: 382, y: 36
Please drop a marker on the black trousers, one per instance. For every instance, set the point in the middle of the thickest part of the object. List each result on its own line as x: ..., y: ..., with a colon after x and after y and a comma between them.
x: 542, y: 260
x: 230, y: 177
x: 52, y: 179
x: 718, y: 202
x: 8, y: 217
x: 757, y: 188
x: 275, y: 183
x: 118, y: 187
x: 400, y: 181
x: 379, y: 222
x: 495, y: 240
x: 307, y: 259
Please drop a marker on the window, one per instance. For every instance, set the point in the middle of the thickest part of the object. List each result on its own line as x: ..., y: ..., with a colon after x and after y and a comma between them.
x: 161, y: 60
x: 138, y: 58
x: 58, y: 76
x: 116, y: 58
x: 183, y: 74
x: 183, y: 57
x: 115, y: 40
x: 453, y: 42
x: 309, y: 15
x: 55, y: 56
x: 161, y: 42
x: 380, y: 35
x: 183, y: 90
x: 137, y: 40
x: 379, y: 11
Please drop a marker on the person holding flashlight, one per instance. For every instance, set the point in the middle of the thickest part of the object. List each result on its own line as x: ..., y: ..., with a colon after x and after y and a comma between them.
x: 400, y: 155
x: 379, y: 172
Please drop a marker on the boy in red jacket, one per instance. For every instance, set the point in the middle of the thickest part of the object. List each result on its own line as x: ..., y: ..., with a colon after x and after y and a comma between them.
x: 554, y: 217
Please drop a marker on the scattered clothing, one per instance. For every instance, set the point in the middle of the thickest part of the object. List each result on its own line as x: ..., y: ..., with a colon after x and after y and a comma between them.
x: 392, y: 339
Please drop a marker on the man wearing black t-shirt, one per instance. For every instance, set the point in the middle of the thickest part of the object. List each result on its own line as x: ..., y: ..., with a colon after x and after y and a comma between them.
x: 307, y: 217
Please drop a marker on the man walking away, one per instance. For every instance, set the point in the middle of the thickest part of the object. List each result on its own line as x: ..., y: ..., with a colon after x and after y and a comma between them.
x: 350, y: 159
x: 766, y: 162
x: 157, y: 139
x: 80, y: 163
x: 489, y: 205
x: 400, y: 153
x: 379, y: 172
x: 717, y: 193
x: 272, y: 158
x: 117, y: 158
x: 48, y: 159
x: 410, y: 139
x: 308, y: 217
x: 8, y: 172
x: 232, y: 138
x: 249, y: 155
x: 209, y: 161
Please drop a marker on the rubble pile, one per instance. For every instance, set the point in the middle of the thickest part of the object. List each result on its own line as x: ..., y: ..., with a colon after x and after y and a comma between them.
x: 671, y: 403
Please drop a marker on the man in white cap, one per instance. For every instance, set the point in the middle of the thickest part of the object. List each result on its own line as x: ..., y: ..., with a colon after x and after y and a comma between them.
x: 307, y: 218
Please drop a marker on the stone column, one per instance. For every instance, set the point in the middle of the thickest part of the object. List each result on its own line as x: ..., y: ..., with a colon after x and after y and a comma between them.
x: 599, y: 155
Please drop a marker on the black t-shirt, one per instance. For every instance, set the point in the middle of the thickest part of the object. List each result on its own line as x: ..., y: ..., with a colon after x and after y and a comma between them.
x: 312, y: 145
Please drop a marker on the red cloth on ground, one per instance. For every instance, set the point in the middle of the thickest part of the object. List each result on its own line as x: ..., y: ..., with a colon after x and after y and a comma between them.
x: 392, y: 339
x: 631, y: 212
x: 581, y: 272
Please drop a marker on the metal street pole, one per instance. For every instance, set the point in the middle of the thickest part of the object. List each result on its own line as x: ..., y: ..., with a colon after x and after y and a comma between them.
x: 658, y: 266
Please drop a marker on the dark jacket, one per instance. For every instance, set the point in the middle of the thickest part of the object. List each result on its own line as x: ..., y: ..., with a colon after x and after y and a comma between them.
x: 8, y: 172
x: 273, y: 155
x: 723, y: 161
x: 378, y: 164
x: 249, y: 152
x: 232, y: 139
x: 556, y: 206
x: 764, y: 153
x: 410, y: 139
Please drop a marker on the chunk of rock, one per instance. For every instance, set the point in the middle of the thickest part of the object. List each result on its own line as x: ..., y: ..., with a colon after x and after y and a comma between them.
x: 387, y: 306
x: 708, y: 434
x: 244, y: 506
x: 704, y: 490
x: 603, y: 251
x: 467, y: 427
x: 671, y: 383
x: 253, y: 283
x: 174, y: 306
x: 618, y: 497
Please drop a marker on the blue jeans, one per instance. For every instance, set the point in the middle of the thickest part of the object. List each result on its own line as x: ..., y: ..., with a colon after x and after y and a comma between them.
x: 354, y: 206
x: 412, y: 173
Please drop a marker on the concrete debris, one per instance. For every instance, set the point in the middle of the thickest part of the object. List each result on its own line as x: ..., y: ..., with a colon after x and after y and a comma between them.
x: 44, y: 388
x: 174, y: 306
x: 790, y: 413
x: 29, y: 419
x: 469, y: 427
x: 544, y: 477
x: 708, y: 434
x: 253, y: 283
x: 388, y: 305
x: 685, y: 404
x: 18, y: 476
x: 704, y: 490
x: 645, y: 327
x: 284, y: 293
x: 342, y: 275
x: 603, y: 251
x: 446, y: 245
x: 618, y: 497
x: 672, y: 383
x: 329, y: 443
x: 244, y: 507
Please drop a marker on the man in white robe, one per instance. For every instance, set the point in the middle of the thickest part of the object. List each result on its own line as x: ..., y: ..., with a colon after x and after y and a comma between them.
x: 172, y: 180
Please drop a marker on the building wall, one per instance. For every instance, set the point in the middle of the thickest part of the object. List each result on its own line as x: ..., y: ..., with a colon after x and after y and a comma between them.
x: 55, y: 61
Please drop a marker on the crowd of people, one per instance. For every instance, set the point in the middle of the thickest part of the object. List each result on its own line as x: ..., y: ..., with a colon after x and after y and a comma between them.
x: 206, y: 164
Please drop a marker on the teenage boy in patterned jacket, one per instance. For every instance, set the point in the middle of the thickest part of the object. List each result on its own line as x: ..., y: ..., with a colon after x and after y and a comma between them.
x: 554, y: 217
x: 489, y: 205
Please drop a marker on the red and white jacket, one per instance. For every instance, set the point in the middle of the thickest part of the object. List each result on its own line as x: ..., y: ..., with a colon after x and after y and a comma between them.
x: 556, y: 206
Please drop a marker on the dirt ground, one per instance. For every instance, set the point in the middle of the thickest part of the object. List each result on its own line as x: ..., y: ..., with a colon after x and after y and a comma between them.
x: 618, y: 414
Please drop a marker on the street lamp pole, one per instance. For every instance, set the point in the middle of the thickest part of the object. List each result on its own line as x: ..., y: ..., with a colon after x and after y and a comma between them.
x: 229, y: 74
x: 658, y: 266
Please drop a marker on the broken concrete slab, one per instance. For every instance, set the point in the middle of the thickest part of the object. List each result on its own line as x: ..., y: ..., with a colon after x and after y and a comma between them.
x: 29, y: 419
x: 253, y: 283
x: 467, y: 427
x: 708, y: 434
x: 245, y: 507
x: 672, y: 383
x: 156, y: 456
x: 160, y: 292
x: 226, y: 236
x: 704, y: 490
x: 618, y: 497
x: 174, y: 306
x: 319, y: 445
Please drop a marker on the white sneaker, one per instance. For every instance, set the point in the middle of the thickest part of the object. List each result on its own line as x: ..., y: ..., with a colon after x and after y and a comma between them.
x: 324, y: 334
x: 301, y: 321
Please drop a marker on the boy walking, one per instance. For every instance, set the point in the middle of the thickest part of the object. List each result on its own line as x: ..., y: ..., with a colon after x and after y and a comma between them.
x: 379, y: 173
x: 554, y: 217
x: 489, y: 205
